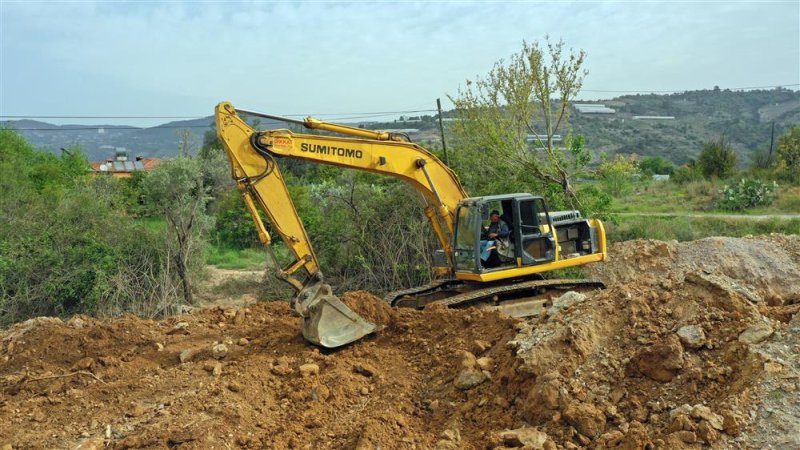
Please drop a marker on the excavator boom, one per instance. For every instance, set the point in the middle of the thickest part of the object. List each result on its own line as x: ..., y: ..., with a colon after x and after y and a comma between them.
x: 327, y: 321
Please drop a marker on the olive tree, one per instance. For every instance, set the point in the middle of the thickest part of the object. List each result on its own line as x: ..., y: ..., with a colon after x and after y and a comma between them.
x: 508, y: 119
x: 176, y: 191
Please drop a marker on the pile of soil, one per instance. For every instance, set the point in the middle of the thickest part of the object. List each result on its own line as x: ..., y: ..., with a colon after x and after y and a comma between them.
x: 687, y: 347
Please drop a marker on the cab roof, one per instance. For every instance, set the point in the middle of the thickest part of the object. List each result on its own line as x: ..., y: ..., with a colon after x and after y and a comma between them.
x: 498, y: 198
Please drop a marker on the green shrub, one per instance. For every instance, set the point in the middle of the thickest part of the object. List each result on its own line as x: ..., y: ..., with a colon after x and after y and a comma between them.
x: 656, y: 165
x: 686, y: 174
x: 617, y: 175
x: 747, y: 193
x: 717, y: 159
x: 789, y: 149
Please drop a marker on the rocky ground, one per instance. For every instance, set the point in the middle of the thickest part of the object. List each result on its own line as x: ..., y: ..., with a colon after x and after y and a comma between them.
x: 692, y: 345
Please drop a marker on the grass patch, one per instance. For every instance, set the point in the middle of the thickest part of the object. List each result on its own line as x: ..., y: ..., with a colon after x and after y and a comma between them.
x: 690, y: 228
x: 228, y: 258
x: 697, y: 196
x: 655, y: 197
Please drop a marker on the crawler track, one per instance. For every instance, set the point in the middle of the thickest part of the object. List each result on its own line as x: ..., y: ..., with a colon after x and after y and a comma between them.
x: 454, y: 293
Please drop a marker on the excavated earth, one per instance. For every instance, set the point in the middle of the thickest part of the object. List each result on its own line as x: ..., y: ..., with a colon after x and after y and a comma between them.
x: 692, y: 345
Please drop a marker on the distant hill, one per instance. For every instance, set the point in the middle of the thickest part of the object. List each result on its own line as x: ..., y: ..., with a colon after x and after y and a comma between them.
x: 159, y: 141
x: 744, y: 117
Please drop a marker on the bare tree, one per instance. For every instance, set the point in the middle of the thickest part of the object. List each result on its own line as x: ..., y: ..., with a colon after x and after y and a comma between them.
x: 186, y: 142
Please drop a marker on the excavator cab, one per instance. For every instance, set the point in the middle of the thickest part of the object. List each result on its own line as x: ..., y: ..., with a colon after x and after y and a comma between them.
x: 536, y: 237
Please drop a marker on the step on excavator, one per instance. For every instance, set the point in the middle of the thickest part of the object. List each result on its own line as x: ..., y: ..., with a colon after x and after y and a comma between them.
x: 471, y: 267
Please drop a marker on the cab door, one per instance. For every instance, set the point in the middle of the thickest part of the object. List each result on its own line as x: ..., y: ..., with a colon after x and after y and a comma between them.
x: 533, y: 233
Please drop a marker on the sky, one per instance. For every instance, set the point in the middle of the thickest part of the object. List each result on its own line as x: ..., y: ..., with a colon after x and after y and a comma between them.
x: 341, y: 60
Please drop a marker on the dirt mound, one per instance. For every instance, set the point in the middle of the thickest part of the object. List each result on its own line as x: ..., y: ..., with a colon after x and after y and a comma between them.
x: 246, y: 378
x: 369, y: 307
x: 690, y: 352
x: 768, y: 266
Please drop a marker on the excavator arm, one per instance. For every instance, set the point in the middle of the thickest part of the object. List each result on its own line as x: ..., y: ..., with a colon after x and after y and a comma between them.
x: 327, y: 321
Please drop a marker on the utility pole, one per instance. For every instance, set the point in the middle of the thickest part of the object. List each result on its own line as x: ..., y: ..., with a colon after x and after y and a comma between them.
x: 441, y: 130
x: 771, y: 140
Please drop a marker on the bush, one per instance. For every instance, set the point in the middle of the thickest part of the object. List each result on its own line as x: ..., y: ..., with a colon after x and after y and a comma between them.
x: 70, y: 253
x: 617, y: 175
x: 717, y: 159
x: 595, y: 203
x: 369, y: 232
x: 656, y: 165
x: 789, y: 148
x: 747, y: 193
x: 686, y: 174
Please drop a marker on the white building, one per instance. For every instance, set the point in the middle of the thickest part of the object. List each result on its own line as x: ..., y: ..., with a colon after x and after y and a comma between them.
x: 593, y: 108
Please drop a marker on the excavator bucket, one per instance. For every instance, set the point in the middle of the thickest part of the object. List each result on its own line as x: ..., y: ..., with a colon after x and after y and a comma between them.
x: 329, y: 322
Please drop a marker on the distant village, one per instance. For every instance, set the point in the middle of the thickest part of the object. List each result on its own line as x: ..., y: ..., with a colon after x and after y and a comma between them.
x: 120, y: 166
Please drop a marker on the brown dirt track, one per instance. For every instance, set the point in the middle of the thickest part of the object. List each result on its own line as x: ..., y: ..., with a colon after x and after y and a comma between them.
x: 613, y: 371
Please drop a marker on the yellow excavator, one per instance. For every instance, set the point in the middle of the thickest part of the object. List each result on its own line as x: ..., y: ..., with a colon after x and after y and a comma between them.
x: 470, y: 267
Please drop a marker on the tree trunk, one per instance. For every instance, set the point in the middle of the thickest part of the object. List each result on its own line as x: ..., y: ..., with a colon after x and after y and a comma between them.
x: 180, y: 265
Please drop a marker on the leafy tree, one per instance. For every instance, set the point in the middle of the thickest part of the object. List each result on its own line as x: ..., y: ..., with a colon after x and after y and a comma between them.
x: 131, y: 191
x: 617, y: 175
x: 216, y: 171
x: 789, y: 148
x: 175, y: 190
x: 526, y: 95
x: 233, y: 226
x: 717, y: 159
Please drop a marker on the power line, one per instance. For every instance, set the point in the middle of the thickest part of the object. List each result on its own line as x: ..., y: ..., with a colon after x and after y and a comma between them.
x: 355, y: 114
x: 111, y: 128
x: 126, y: 127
